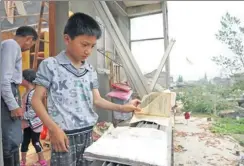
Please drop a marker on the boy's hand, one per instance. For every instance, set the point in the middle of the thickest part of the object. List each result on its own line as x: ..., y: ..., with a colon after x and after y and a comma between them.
x: 59, y: 140
x: 135, y: 102
x: 132, y: 106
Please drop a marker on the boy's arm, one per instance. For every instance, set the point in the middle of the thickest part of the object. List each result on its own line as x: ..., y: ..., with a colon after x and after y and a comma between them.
x: 58, y: 138
x: 8, y: 54
x: 40, y: 109
x: 107, y: 105
x: 43, y: 81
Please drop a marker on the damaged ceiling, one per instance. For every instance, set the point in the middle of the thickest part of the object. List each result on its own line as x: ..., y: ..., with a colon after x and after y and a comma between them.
x: 138, y: 3
x: 140, y: 8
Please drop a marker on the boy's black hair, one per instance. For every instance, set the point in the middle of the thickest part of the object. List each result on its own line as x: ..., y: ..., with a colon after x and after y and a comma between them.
x: 29, y: 75
x: 82, y: 24
x: 24, y: 31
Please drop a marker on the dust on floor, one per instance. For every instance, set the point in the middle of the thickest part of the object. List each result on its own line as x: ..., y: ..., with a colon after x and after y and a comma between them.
x: 195, y: 145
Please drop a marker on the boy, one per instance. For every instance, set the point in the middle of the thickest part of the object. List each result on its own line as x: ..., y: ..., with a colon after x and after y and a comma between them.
x: 11, y: 77
x: 72, y: 87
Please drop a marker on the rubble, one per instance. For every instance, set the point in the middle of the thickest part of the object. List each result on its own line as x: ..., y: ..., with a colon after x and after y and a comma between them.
x: 179, y: 148
x: 99, y: 129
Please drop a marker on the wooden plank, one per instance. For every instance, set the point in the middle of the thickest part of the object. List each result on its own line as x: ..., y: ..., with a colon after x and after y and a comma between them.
x: 166, y: 40
x: 7, y: 35
x: 156, y: 104
x: 26, y: 60
x: 21, y: 16
x: 142, y: 10
x: 9, y: 10
x: 37, y: 45
x: 46, y: 45
x: 20, y: 7
x: 52, y: 27
x: 161, y: 65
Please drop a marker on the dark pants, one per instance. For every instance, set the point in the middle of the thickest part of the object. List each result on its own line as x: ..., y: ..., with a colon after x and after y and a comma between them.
x: 11, y: 132
x: 30, y: 135
x: 78, y: 141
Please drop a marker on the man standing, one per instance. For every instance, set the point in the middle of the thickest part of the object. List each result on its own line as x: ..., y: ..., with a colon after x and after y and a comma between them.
x: 11, y: 77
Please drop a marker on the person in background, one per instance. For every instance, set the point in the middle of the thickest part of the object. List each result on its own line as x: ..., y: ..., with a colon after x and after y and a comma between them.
x: 72, y: 87
x: 11, y: 77
x: 187, y: 116
x: 32, y: 123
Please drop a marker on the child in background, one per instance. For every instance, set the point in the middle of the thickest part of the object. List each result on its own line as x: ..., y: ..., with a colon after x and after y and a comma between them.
x: 31, y: 124
x: 187, y: 116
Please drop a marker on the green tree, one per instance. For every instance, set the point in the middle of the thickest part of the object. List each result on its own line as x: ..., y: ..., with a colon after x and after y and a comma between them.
x: 231, y: 34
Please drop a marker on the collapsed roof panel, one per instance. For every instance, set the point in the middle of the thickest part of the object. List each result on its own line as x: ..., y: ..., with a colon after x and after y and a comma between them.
x: 18, y: 18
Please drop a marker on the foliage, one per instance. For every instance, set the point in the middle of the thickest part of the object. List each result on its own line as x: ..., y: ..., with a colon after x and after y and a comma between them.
x: 228, y: 126
x: 231, y: 34
x: 206, y: 99
x: 238, y: 86
x: 239, y: 138
x: 195, y: 101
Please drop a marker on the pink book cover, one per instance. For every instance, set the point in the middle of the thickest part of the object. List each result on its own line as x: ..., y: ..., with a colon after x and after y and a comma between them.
x: 120, y: 94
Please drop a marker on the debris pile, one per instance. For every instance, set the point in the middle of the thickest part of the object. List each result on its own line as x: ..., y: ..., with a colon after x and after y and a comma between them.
x: 179, y: 148
x: 180, y: 134
x: 99, y: 129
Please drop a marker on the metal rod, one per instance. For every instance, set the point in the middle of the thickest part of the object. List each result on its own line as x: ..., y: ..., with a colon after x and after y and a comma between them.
x: 98, y: 50
x: 148, y: 39
x: 162, y: 63
x: 166, y: 40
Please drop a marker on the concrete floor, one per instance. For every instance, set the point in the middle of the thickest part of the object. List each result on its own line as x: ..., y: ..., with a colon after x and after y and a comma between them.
x: 195, y: 145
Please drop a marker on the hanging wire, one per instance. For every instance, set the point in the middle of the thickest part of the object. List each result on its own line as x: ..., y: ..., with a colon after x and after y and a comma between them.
x: 103, y: 53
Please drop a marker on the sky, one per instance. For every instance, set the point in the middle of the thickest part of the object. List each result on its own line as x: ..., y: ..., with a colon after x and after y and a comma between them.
x: 193, y: 24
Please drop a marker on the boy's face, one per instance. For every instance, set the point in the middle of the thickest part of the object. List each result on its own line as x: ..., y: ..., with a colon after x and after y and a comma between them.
x: 28, y: 42
x: 81, y: 46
